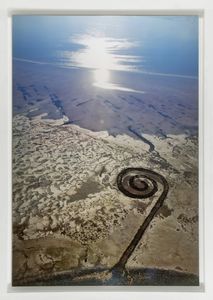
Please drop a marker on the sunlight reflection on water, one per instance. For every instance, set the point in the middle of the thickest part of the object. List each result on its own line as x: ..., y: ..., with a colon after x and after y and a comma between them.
x: 103, y: 54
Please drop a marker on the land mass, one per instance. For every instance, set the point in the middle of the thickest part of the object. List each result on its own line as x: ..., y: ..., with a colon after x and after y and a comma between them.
x: 69, y: 214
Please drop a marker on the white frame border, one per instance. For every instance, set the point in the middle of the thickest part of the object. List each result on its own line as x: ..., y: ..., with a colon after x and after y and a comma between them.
x: 110, y: 7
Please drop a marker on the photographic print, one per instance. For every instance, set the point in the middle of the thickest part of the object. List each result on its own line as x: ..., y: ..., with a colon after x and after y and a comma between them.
x: 105, y: 150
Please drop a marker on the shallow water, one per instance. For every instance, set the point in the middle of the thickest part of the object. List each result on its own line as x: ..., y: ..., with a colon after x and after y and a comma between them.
x: 169, y: 104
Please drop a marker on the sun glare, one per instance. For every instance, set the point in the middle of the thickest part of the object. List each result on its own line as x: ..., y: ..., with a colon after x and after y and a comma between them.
x: 101, y: 76
x: 102, y: 55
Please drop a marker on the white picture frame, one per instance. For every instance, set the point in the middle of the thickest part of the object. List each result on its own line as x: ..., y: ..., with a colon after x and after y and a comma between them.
x: 121, y: 7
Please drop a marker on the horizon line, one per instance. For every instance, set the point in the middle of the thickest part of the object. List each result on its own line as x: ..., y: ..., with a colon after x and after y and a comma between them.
x: 135, y: 71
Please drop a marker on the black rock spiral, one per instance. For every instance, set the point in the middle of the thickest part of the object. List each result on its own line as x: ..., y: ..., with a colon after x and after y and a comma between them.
x: 137, y: 183
x: 140, y: 183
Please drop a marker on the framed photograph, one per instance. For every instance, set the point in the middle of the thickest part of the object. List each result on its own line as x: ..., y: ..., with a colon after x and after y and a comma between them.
x: 105, y: 150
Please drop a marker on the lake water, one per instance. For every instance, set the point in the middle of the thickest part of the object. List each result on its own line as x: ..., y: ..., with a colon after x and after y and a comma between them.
x: 139, y: 71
